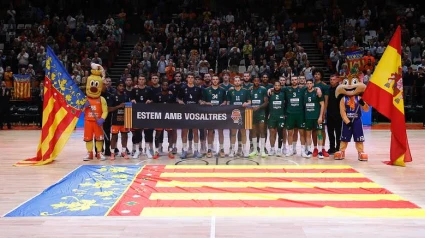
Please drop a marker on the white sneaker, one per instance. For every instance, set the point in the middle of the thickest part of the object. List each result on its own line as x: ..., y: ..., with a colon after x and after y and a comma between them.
x: 264, y: 154
x: 232, y: 154
x: 136, y: 154
x: 272, y: 152
x: 284, y: 151
x: 149, y: 154
x: 289, y: 152
x: 303, y: 154
x: 278, y: 152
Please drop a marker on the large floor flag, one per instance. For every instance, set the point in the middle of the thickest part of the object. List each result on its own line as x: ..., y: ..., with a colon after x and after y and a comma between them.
x: 62, y: 106
x: 384, y: 92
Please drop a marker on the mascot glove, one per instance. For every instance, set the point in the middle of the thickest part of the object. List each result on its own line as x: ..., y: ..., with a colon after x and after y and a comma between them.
x: 100, y: 121
x: 87, y: 104
x: 361, y: 102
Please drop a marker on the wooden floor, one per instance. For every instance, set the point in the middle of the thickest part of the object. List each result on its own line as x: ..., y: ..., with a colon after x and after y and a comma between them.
x: 19, y: 184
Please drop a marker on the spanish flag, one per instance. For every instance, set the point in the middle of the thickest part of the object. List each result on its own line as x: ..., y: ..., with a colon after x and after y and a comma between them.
x: 385, y: 93
x: 62, y: 106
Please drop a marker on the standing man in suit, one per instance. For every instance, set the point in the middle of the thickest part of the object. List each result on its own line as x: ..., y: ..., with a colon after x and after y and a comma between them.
x: 5, y: 95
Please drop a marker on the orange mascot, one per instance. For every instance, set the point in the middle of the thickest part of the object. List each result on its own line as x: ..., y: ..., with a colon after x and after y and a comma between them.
x: 96, y: 111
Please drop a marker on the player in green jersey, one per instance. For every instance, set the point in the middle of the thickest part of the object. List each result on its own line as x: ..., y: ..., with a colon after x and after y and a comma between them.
x: 318, y: 77
x: 238, y: 96
x: 259, y: 102
x: 283, y: 133
x: 314, y: 107
x: 246, y: 81
x: 214, y: 96
x: 226, y: 85
x: 276, y: 119
x: 295, y: 115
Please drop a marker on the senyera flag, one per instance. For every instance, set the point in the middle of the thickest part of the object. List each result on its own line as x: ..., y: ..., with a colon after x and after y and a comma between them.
x: 62, y: 106
x: 384, y: 92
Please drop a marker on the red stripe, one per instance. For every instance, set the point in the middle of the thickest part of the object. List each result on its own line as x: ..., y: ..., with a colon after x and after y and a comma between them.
x: 258, y: 179
x: 379, y: 99
x: 282, y: 170
x: 315, y: 190
x: 396, y: 40
x: 279, y: 203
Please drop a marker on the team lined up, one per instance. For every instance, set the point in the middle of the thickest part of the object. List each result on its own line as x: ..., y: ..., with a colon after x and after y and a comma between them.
x: 280, y: 112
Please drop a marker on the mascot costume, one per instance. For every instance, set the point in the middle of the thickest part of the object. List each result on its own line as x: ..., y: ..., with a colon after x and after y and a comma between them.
x: 349, y: 92
x: 96, y: 111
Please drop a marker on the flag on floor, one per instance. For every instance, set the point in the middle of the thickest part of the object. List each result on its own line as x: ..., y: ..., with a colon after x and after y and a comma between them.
x: 384, y: 92
x: 62, y: 106
x: 22, y: 86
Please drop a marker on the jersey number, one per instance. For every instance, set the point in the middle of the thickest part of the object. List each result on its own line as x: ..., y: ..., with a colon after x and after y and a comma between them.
x: 294, y: 94
x: 214, y: 96
x: 238, y: 98
x: 309, y: 99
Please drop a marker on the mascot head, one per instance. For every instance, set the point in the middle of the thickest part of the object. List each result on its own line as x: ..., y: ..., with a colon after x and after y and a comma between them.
x: 95, y: 81
x: 351, y: 85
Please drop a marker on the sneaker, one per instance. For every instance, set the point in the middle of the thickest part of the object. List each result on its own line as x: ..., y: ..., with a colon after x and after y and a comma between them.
x: 232, y: 154
x: 117, y: 151
x: 197, y: 155
x: 339, y: 155
x: 325, y: 153
x: 321, y: 155
x: 308, y: 154
x: 264, y: 155
x: 221, y: 153
x: 171, y: 155
x: 239, y: 153
x: 124, y: 155
x: 100, y: 156
x: 149, y: 154
x: 136, y: 154
x: 303, y: 154
x: 88, y: 157
x: 133, y: 152
x: 127, y: 151
x: 289, y: 152
x: 209, y: 153
x: 265, y: 150
x: 284, y: 151
x: 183, y: 155
x: 331, y: 151
x: 112, y: 157
x: 279, y: 152
x: 315, y: 152
x: 272, y: 152
x: 254, y: 153
x: 155, y: 155
x: 174, y: 151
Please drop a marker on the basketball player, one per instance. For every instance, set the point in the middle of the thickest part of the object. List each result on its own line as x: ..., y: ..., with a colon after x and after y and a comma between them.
x: 276, y: 119
x: 259, y: 102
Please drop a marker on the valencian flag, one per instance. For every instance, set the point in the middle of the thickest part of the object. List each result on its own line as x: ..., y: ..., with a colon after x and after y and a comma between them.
x: 62, y: 106
x: 21, y: 86
x: 384, y: 92
x: 353, y: 58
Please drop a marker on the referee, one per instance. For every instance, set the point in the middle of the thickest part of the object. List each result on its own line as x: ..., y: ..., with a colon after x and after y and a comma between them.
x: 334, y: 120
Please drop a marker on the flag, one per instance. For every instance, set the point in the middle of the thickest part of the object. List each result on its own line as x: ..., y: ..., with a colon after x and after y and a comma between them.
x: 62, y: 106
x: 354, y: 57
x: 384, y: 92
x: 21, y: 86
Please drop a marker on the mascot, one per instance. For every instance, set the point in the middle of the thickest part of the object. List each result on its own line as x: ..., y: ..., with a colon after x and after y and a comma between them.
x: 349, y: 92
x: 96, y: 111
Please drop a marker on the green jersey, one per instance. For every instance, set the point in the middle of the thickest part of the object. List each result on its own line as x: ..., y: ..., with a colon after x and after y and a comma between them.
x: 268, y: 86
x: 257, y: 96
x: 312, y: 104
x: 226, y: 87
x: 323, y: 87
x: 214, y: 96
x: 294, y: 99
x: 247, y: 86
x: 235, y: 97
x: 276, y: 104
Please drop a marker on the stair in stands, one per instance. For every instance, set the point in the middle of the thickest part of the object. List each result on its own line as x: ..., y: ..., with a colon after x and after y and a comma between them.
x: 123, y: 59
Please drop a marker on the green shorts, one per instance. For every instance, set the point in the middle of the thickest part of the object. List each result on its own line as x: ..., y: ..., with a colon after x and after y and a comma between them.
x: 259, y: 117
x: 311, y: 124
x: 276, y: 122
x: 295, y: 120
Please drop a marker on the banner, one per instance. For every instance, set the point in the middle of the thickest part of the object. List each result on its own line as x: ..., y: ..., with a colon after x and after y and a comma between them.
x: 354, y: 57
x: 21, y: 86
x: 187, y: 116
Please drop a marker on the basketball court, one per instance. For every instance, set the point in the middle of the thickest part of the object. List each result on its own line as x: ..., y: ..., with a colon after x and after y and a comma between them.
x: 281, y: 196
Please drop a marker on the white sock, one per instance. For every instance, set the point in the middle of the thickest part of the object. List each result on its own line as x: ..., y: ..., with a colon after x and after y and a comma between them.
x: 196, y: 146
x: 315, y: 147
x: 308, y: 148
x: 124, y: 150
x: 232, y: 147
x: 185, y: 146
x: 221, y: 146
x: 254, y: 143
x: 262, y: 144
x: 303, y: 148
x: 294, y: 145
x: 320, y: 148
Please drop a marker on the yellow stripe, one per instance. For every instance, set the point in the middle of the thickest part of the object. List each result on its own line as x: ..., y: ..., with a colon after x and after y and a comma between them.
x: 52, y: 130
x: 61, y: 143
x: 286, y: 212
x: 308, y: 166
x: 263, y: 175
x: 388, y: 64
x: 275, y: 196
x: 122, y: 194
x: 46, y: 113
x: 265, y: 184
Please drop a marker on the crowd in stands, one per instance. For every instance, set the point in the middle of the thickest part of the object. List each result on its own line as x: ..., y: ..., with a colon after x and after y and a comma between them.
x: 191, y: 38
